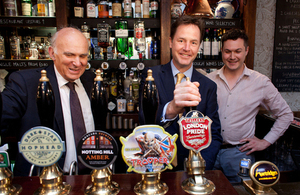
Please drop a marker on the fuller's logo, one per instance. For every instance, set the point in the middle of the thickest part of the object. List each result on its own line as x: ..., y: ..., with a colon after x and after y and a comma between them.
x: 195, y: 131
x: 41, y: 146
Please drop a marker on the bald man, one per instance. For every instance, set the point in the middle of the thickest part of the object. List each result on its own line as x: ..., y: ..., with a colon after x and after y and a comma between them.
x: 69, y: 52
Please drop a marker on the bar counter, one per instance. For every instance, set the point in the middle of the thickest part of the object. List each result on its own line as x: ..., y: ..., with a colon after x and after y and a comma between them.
x: 128, y: 181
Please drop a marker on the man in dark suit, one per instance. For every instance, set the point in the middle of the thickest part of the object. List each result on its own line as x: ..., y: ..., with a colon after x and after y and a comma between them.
x: 69, y: 52
x: 186, y: 35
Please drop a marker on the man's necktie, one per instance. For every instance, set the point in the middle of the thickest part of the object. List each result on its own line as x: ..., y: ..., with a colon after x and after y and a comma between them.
x: 77, y: 118
x: 180, y: 76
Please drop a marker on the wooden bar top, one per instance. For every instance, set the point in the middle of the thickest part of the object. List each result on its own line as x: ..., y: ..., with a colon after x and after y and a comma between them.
x: 128, y: 181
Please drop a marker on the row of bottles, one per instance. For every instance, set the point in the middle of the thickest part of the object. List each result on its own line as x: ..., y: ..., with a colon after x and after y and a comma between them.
x: 122, y: 46
x: 41, y: 8
x: 210, y: 48
x: 122, y: 87
x: 116, y: 92
x: 27, y: 48
x: 117, y: 9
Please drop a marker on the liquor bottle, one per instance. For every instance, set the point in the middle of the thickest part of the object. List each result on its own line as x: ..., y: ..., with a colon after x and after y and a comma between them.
x: 116, y: 9
x: 206, y: 45
x: 146, y: 9
x: 127, y: 9
x: 42, y: 47
x: 41, y: 7
x: 25, y: 45
x: 149, y: 99
x: 33, y: 49
x: 103, y: 35
x: 135, y: 85
x: 2, y: 47
x: 99, y: 101
x: 121, y: 103
x: 126, y: 83
x: 112, y: 103
x: 103, y: 9
x: 26, y: 8
x: 155, y: 46
x: 47, y: 45
x: 130, y: 101
x: 110, y: 15
x: 220, y: 43
x: 121, y: 34
x: 120, y: 77
x: 15, y: 50
x: 129, y: 52
x: 200, y: 51
x: 45, y: 101
x: 91, y: 9
x: 138, y: 10
x: 51, y: 8
x: 78, y: 9
x: 139, y: 36
x: 215, y: 46
x: 154, y: 9
x: 85, y: 29
x: 10, y: 8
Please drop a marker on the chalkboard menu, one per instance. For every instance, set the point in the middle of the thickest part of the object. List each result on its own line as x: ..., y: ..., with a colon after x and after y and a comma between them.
x: 286, y: 60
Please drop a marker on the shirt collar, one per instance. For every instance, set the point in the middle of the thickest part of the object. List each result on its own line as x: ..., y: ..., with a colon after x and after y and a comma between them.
x: 246, y: 72
x: 61, y: 80
x: 187, y: 73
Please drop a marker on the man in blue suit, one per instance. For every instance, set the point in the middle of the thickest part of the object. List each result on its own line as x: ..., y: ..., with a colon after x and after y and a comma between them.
x: 69, y: 52
x: 186, y: 35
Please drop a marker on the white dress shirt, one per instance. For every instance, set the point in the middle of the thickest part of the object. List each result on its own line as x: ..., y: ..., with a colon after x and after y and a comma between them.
x: 85, y: 103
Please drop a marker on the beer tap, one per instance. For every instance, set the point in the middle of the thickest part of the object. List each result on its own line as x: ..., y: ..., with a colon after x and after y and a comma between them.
x: 99, y: 102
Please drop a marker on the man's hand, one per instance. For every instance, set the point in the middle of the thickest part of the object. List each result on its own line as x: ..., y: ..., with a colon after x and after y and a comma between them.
x: 186, y: 94
x: 254, y: 144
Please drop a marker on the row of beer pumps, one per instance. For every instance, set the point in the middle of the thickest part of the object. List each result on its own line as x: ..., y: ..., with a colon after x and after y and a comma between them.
x: 98, y: 150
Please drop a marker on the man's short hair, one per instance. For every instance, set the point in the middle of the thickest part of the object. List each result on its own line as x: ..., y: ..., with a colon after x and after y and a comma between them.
x: 234, y: 34
x: 186, y: 20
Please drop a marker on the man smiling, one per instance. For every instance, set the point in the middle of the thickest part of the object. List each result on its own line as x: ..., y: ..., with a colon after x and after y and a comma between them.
x: 69, y: 52
x: 241, y: 93
x: 186, y: 35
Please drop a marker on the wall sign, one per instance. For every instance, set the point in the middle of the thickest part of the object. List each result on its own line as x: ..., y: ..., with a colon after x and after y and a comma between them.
x: 286, y: 55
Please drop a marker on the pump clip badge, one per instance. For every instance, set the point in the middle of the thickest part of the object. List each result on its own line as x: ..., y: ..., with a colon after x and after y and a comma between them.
x: 195, y: 131
x: 149, y: 149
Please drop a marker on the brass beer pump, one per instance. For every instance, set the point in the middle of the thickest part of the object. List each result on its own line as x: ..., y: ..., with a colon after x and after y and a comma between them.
x: 6, y: 188
x: 151, y: 183
x: 195, y: 164
x: 197, y: 183
x: 51, y: 176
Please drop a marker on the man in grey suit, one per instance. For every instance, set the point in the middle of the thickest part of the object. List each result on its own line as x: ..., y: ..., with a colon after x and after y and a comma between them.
x: 69, y: 52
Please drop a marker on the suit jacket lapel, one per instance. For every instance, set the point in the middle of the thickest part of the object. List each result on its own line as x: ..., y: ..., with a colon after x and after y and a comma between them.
x: 167, y: 81
x: 58, y: 116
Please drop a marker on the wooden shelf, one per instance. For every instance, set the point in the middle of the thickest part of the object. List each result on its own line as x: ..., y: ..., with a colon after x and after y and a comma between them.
x: 29, y: 21
x: 92, y: 22
x: 208, y: 63
x: 27, y: 64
